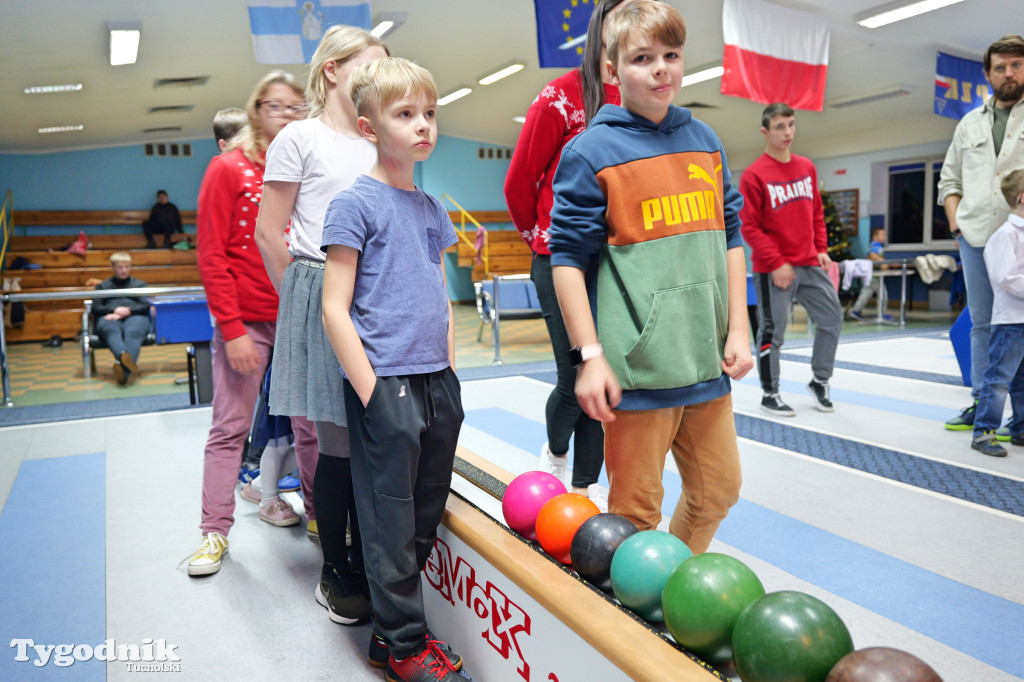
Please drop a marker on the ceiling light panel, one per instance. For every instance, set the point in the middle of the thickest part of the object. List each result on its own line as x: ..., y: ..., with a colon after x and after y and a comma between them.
x: 452, y: 96
x: 61, y: 129
x: 502, y: 73
x: 893, y: 12
x: 124, y: 41
x: 46, y: 89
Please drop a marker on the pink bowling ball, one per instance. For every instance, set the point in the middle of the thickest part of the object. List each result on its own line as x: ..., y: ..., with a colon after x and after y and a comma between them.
x: 524, y: 497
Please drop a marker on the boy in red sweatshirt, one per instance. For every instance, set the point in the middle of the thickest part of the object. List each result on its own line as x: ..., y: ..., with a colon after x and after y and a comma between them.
x: 784, y: 224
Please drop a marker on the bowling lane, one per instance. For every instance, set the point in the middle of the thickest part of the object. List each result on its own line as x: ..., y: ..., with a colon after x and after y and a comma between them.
x: 904, y: 560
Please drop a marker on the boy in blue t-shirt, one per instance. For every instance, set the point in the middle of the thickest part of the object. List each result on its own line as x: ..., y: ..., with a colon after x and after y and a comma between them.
x: 387, y: 315
x: 876, y: 254
x: 649, y: 270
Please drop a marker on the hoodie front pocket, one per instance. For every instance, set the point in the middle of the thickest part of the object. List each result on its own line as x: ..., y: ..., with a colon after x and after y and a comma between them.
x: 681, y: 342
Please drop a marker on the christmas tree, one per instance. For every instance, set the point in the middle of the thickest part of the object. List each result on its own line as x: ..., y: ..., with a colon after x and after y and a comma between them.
x: 838, y: 241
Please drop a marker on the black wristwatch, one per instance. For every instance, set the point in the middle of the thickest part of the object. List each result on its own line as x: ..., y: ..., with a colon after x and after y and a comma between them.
x: 578, y: 355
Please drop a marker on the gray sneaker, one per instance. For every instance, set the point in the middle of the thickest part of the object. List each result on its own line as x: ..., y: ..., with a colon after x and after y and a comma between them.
x: 772, y: 404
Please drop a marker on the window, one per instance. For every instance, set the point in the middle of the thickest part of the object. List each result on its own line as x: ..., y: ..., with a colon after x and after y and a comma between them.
x: 913, y: 218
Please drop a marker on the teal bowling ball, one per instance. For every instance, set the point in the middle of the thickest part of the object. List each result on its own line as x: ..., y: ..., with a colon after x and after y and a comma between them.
x: 641, y: 566
x: 702, y: 600
x: 788, y: 637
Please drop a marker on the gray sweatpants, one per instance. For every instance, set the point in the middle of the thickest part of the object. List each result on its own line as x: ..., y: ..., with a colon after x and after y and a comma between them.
x: 403, y: 447
x: 813, y: 289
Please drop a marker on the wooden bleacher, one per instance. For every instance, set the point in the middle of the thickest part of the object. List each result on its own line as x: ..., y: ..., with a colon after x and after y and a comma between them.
x: 63, y: 271
x: 508, y: 253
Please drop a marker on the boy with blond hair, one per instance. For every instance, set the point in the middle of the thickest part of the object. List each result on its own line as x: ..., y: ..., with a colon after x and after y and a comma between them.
x: 1004, y: 260
x: 387, y: 315
x: 651, y: 279
x: 123, y: 321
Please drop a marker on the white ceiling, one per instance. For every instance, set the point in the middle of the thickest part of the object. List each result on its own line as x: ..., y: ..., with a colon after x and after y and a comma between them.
x: 64, y: 41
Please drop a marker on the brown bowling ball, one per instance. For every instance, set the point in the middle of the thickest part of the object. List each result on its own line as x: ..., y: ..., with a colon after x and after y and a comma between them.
x: 882, y: 664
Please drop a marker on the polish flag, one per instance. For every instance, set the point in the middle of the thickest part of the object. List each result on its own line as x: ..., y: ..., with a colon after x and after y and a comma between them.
x: 774, y: 54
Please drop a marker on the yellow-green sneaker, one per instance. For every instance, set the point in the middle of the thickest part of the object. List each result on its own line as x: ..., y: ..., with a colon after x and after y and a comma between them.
x: 965, y: 420
x: 206, y: 559
x: 312, y: 531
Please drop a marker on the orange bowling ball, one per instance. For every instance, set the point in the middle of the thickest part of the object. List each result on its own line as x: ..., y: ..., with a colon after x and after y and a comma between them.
x: 558, y: 521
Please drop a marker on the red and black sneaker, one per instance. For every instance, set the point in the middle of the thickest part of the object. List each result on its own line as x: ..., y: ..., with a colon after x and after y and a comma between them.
x: 426, y: 666
x: 446, y: 649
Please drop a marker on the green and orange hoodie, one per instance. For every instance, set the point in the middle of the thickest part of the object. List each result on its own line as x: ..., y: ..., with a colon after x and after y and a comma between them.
x: 647, y: 211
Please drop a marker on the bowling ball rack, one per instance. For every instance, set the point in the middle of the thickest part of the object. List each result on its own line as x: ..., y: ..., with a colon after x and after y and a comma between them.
x: 492, y: 480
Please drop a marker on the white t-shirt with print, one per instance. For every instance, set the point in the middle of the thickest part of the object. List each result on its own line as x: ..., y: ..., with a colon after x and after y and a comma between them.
x: 324, y: 162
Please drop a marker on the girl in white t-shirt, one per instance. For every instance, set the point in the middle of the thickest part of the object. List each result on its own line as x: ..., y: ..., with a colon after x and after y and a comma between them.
x: 321, y: 156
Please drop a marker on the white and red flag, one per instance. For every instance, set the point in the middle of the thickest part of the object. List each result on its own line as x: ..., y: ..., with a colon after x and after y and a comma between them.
x: 774, y: 54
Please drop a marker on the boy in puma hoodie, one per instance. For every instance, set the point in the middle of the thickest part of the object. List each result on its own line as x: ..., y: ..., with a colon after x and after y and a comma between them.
x: 650, y: 275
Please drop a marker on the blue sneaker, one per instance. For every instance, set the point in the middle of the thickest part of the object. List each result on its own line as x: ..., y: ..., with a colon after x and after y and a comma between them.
x: 856, y: 314
x: 288, y: 484
x: 247, y: 473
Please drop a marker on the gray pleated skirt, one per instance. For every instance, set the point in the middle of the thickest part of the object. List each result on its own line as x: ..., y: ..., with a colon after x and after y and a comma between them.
x: 306, y: 379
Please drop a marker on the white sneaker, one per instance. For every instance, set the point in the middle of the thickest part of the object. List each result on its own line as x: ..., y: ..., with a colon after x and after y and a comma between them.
x: 599, y: 496
x: 552, y: 464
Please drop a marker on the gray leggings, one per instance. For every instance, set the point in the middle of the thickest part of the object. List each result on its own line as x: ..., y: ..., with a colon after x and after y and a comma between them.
x: 813, y: 289
x: 333, y: 439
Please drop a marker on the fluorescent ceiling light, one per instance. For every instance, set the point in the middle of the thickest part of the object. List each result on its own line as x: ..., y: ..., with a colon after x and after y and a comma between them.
x: 387, y: 23
x: 701, y: 76
x: 519, y: 119
x: 124, y: 41
x: 44, y: 89
x: 887, y: 14
x: 451, y: 97
x: 502, y: 73
x: 61, y: 129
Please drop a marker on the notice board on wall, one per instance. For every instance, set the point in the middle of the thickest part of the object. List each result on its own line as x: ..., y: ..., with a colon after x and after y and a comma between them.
x: 847, y: 203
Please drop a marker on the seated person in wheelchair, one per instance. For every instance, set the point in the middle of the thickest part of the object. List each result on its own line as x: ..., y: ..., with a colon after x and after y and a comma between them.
x: 122, y: 321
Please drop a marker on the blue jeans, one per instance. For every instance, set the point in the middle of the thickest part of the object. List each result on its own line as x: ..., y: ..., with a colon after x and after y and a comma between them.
x: 1005, y: 373
x: 979, y: 300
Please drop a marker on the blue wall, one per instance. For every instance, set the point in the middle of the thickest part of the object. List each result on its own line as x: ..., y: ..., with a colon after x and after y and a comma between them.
x: 112, y: 178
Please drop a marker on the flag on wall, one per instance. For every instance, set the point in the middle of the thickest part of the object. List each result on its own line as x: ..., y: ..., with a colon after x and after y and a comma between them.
x: 288, y: 31
x: 562, y: 31
x: 774, y: 54
x: 960, y: 85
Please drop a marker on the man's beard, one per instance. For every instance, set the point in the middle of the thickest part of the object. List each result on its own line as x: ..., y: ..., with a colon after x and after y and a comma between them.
x: 1010, y: 92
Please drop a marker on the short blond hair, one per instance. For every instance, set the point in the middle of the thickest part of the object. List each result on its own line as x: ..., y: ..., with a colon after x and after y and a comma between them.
x: 659, y: 20
x: 374, y: 85
x: 120, y: 257
x: 1013, y: 186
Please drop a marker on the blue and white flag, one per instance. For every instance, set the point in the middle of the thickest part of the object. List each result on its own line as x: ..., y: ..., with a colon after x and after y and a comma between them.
x: 288, y: 31
x: 562, y: 31
x: 960, y: 86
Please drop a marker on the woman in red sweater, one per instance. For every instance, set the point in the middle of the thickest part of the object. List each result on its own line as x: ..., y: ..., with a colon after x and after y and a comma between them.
x: 560, y: 112
x: 243, y: 303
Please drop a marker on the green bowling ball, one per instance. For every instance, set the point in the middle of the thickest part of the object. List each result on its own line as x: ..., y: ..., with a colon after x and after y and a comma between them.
x: 788, y: 637
x: 702, y: 600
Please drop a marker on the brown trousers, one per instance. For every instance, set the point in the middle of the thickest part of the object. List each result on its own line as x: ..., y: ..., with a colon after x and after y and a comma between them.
x: 702, y: 439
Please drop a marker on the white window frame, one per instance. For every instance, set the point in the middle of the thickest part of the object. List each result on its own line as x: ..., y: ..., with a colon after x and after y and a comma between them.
x: 932, y: 166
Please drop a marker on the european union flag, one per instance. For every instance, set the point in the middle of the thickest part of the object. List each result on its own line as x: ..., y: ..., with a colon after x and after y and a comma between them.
x: 960, y: 86
x: 561, y: 31
x: 289, y: 31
